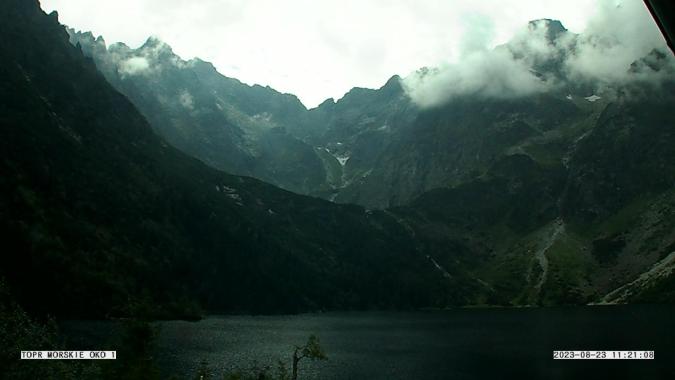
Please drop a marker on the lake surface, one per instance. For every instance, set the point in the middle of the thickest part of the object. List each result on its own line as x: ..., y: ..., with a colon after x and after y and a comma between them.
x: 453, y: 344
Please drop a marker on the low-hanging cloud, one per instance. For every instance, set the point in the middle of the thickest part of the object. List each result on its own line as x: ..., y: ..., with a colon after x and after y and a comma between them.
x: 619, y: 34
x: 318, y: 50
x: 149, y: 59
x: 134, y: 66
x: 604, y: 54
x: 313, y: 49
x: 501, y: 73
x: 493, y: 74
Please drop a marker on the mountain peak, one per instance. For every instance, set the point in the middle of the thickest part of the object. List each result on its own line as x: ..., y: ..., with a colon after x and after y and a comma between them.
x: 119, y: 46
x: 157, y: 49
x: 554, y: 28
x: 394, y: 83
x: 153, y: 42
x: 326, y: 104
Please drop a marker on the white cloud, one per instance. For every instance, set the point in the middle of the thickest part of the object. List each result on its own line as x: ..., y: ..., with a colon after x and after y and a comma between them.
x: 186, y: 99
x: 493, y: 74
x: 318, y: 49
x: 619, y: 33
x: 134, y: 66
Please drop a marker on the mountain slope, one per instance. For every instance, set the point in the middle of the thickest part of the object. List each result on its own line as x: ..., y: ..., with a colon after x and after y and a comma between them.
x: 99, y: 209
x: 572, y: 232
x: 539, y: 200
x: 229, y: 125
x: 377, y: 148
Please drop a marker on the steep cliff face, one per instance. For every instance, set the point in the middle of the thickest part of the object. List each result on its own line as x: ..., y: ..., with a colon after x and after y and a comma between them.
x: 376, y: 148
x: 596, y: 227
x: 551, y: 198
x: 551, y: 186
x: 100, y: 216
x: 229, y: 125
x: 384, y: 147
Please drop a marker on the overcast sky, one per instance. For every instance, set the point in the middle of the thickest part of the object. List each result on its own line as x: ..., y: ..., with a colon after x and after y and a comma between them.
x: 319, y: 49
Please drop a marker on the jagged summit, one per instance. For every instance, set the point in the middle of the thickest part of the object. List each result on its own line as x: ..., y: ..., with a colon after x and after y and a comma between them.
x: 656, y: 61
x: 554, y: 28
x: 159, y: 48
x: 327, y: 103
x: 153, y: 41
x: 478, y: 184
x: 84, y: 180
x: 393, y: 84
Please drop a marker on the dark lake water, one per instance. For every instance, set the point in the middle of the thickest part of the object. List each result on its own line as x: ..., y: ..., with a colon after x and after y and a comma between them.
x: 453, y: 344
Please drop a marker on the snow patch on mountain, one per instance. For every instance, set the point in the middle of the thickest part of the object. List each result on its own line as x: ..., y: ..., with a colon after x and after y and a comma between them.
x: 342, y: 159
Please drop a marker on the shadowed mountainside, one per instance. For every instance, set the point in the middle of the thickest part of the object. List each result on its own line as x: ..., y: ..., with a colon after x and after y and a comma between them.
x: 99, y: 209
x: 559, y: 200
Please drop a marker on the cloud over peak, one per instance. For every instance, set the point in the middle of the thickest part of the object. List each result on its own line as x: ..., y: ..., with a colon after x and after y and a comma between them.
x: 544, y: 56
x: 134, y: 66
x: 507, y: 71
x: 319, y: 50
